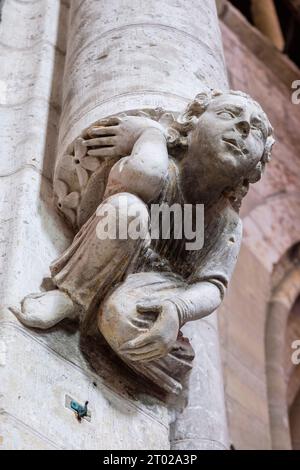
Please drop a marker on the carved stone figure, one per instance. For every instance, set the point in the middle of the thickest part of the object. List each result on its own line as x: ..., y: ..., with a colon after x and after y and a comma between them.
x: 140, y: 292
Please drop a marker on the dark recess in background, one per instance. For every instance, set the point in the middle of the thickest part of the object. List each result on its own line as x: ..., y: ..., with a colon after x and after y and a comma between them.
x: 289, y: 19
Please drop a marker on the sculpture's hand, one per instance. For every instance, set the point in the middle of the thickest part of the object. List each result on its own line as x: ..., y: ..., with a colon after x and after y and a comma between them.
x: 116, y: 136
x: 159, y: 340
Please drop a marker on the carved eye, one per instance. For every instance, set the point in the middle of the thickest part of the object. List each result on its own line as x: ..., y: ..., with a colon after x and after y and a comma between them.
x: 226, y: 114
x: 259, y: 129
x: 258, y: 126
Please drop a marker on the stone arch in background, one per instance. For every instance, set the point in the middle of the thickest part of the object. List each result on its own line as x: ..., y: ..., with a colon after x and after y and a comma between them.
x: 272, y: 233
x: 285, y: 295
x: 292, y: 369
x: 272, y: 227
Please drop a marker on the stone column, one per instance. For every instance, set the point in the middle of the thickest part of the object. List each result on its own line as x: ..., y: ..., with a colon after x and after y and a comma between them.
x: 202, y: 424
x: 32, y: 49
x: 141, y: 54
x: 276, y: 382
x: 121, y: 55
x: 124, y: 55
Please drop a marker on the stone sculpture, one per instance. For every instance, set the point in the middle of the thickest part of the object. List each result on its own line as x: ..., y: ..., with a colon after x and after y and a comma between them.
x: 139, y: 292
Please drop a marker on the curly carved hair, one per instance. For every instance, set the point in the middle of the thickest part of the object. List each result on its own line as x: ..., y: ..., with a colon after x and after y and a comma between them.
x: 187, y: 121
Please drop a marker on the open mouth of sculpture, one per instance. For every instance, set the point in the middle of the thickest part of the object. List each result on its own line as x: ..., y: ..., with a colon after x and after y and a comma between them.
x: 233, y: 143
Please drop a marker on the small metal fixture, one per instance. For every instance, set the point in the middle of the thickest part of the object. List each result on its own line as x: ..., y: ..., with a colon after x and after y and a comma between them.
x: 81, y: 411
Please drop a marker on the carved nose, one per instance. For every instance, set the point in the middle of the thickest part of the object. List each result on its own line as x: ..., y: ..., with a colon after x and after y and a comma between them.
x: 243, y: 127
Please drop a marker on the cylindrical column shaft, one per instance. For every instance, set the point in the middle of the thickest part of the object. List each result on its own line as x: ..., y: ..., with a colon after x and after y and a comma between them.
x: 139, y: 54
x: 132, y: 54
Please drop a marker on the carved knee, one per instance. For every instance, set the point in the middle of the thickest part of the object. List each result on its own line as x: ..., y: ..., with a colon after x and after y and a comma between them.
x: 114, y: 321
x: 127, y: 213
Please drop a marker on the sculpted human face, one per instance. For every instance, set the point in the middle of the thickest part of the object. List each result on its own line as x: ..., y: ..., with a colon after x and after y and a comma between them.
x: 229, y: 139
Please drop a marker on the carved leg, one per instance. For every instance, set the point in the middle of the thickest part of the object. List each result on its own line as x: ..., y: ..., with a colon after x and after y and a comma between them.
x: 88, y: 269
x: 45, y: 309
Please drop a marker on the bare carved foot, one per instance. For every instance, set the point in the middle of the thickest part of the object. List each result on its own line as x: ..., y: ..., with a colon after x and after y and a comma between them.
x: 46, y: 309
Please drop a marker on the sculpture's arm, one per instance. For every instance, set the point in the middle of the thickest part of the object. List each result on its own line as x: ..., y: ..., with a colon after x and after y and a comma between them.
x: 198, y: 301
x: 209, y: 282
x: 144, y: 172
x: 202, y: 296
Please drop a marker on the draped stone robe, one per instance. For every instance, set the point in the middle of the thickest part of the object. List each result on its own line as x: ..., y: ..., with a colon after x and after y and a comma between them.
x: 91, y: 274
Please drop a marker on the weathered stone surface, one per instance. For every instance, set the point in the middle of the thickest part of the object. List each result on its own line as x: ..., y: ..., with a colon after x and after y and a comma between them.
x: 30, y: 99
x: 205, y: 402
x: 149, y: 54
x: 30, y: 230
x: 33, y: 401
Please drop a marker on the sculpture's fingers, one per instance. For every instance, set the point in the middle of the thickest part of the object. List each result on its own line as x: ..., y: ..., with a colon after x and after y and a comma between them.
x: 99, y: 131
x: 159, y: 355
x: 141, y: 350
x: 141, y: 340
x: 145, y: 357
x: 17, y: 312
x: 101, y: 141
x: 103, y: 152
x: 112, y: 121
x: 142, y: 323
